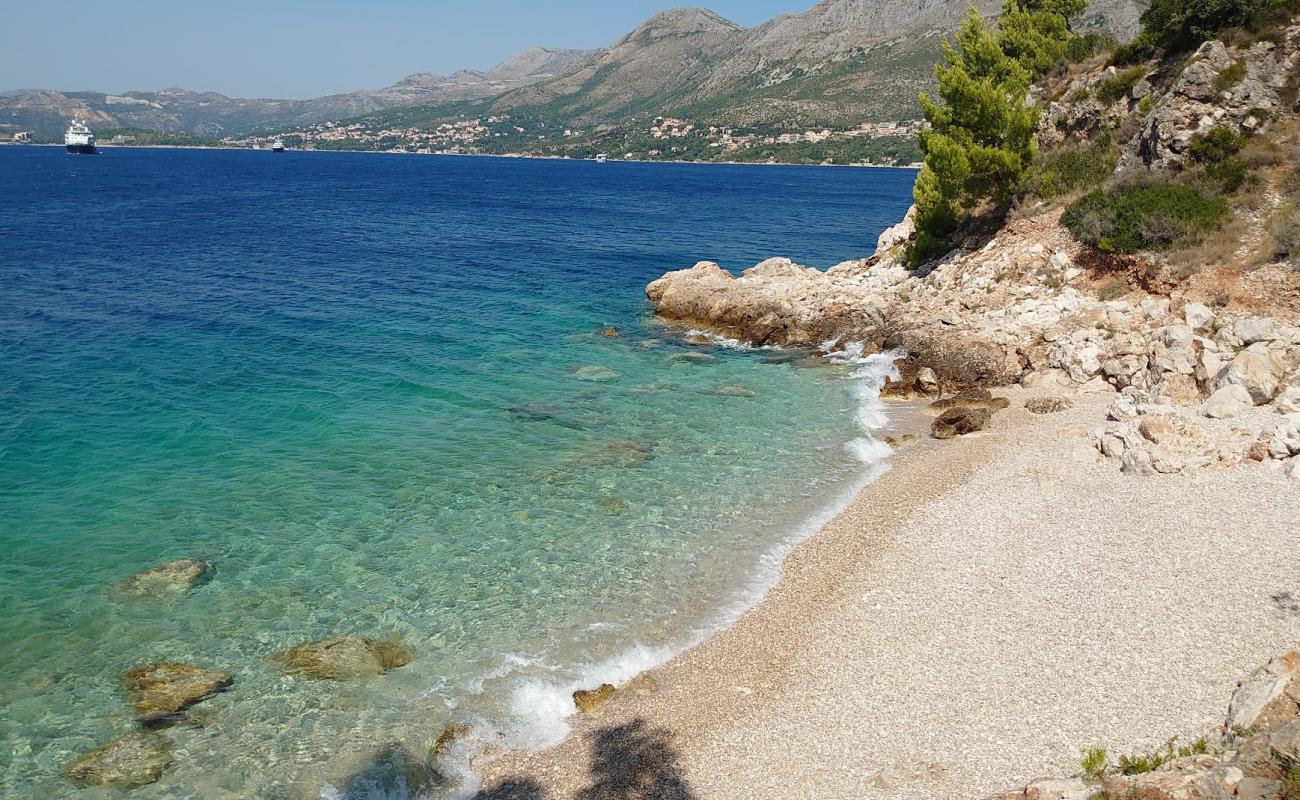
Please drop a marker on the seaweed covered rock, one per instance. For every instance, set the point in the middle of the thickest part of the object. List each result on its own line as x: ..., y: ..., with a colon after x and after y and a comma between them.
x: 961, y: 421
x: 343, y: 658
x: 136, y: 759
x: 159, y: 692
x: 165, y: 581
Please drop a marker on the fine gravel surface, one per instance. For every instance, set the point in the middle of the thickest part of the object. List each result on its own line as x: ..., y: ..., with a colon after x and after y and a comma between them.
x: 981, y: 614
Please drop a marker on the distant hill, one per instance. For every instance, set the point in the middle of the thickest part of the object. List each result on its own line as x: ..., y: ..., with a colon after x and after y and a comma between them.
x: 212, y: 115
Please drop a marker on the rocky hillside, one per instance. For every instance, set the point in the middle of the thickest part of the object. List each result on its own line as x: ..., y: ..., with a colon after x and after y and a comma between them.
x: 839, y: 63
x: 212, y: 115
x: 1196, y: 332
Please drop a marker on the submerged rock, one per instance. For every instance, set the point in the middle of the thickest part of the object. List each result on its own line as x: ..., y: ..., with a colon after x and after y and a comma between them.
x: 734, y: 391
x: 449, y: 736
x: 591, y: 700
x: 161, y: 691
x: 610, y: 332
x: 343, y: 658
x: 165, y: 581
x: 136, y: 759
x: 960, y: 421
x: 594, y: 373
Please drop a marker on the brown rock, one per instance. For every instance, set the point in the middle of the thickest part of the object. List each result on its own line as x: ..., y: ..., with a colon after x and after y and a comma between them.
x: 1048, y: 405
x: 343, y: 658
x: 134, y: 760
x: 640, y: 686
x: 610, y: 332
x: 449, y: 736
x: 960, y: 421
x: 166, y: 581
x: 161, y: 691
x: 901, y: 441
x: 591, y: 700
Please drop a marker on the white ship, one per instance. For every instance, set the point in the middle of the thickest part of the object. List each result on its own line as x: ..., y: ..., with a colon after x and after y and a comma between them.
x: 79, y: 140
x: 601, y: 158
x: 277, y: 146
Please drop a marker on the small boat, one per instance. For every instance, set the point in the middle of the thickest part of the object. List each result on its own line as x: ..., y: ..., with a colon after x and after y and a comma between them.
x: 601, y: 158
x: 277, y: 146
x: 78, y: 139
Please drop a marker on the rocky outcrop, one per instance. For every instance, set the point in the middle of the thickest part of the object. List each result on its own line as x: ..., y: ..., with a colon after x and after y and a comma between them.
x: 1206, y: 95
x: 166, y: 581
x: 136, y: 759
x: 1252, y: 758
x: 160, y: 692
x: 343, y: 658
x: 960, y: 421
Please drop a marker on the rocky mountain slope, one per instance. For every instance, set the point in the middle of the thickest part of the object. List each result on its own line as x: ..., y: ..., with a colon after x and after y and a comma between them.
x: 209, y: 114
x: 840, y: 62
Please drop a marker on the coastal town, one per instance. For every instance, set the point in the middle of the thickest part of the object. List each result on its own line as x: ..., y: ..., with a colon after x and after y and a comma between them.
x: 663, y: 138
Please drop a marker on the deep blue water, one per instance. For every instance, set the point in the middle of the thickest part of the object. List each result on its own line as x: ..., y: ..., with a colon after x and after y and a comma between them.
x: 369, y: 390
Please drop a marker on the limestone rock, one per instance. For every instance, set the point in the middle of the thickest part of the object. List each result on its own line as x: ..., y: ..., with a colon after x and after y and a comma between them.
x: 448, y: 738
x: 1285, y: 742
x: 1254, y: 329
x: 1048, y: 405
x: 1177, y: 390
x: 166, y: 581
x: 1286, y: 441
x: 1228, y: 402
x: 1048, y: 380
x: 960, y: 421
x: 136, y: 759
x: 610, y: 332
x: 1292, y: 469
x: 898, y: 236
x: 1138, y: 463
x: 1288, y: 400
x: 592, y: 700
x: 161, y: 691
x: 1269, y: 697
x: 1058, y: 789
x: 1259, y: 373
x: 591, y: 372
x: 343, y: 658
x: 734, y: 391
x: 1199, y: 317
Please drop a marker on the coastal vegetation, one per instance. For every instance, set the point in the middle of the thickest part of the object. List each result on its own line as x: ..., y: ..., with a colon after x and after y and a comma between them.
x: 982, y: 137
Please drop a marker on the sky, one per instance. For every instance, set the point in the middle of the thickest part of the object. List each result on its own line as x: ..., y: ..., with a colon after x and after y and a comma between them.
x: 298, y: 49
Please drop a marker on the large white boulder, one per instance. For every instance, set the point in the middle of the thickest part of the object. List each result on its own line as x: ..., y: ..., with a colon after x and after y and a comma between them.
x: 1228, y: 402
x: 1255, y: 370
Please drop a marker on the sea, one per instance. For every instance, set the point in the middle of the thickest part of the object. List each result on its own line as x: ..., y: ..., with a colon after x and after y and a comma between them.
x: 418, y: 398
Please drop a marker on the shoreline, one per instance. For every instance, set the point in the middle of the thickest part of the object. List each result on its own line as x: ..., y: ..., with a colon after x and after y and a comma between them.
x: 811, y: 694
x: 516, y: 156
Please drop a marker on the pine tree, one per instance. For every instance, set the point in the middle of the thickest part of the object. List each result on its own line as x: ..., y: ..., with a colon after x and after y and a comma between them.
x: 981, y: 138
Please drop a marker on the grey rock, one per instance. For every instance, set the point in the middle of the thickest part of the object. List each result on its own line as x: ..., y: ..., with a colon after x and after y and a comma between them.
x: 136, y: 759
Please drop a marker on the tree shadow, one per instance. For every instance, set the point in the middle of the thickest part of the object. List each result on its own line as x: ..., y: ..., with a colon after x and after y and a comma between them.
x: 515, y: 789
x: 635, y: 762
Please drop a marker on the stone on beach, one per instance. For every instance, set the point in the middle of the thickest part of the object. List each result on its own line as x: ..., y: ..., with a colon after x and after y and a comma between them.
x: 1048, y: 405
x: 591, y: 700
x: 343, y: 658
x: 1228, y: 402
x: 165, y: 581
x: 159, y: 692
x: 961, y: 421
x: 1269, y: 697
x: 136, y: 759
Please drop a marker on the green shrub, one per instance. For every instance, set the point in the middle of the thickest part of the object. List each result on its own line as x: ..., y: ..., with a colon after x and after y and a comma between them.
x: 1118, y: 86
x: 1220, y: 143
x: 1284, y: 231
x: 1231, y: 75
x: 1135, y: 218
x: 1229, y: 175
x: 1069, y: 169
x: 1094, y: 763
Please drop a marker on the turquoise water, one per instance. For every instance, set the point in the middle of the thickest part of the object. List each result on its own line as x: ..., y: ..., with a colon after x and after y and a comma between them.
x: 371, y: 391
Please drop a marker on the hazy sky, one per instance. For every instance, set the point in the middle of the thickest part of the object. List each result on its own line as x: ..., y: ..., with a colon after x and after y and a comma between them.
x: 295, y: 48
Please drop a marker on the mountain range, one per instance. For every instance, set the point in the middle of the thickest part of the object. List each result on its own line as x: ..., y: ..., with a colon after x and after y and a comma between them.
x: 213, y: 115
x: 840, y: 62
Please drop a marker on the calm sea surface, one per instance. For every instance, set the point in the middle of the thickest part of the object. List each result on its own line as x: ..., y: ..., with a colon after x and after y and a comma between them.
x: 370, y: 391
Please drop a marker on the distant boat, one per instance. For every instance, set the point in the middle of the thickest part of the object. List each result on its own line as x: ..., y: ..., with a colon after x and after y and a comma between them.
x: 79, y: 140
x: 277, y: 146
x: 601, y: 158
